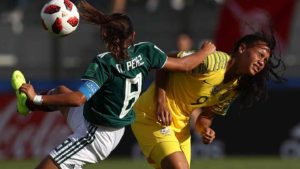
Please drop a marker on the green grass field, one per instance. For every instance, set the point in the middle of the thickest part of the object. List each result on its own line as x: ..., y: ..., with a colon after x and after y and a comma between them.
x: 226, y: 163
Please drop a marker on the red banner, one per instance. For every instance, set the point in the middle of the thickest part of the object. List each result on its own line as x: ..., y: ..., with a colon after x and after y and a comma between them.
x: 32, y: 136
x: 238, y: 18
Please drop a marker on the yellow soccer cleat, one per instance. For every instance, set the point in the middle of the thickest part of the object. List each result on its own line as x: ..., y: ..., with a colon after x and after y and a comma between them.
x: 17, y: 79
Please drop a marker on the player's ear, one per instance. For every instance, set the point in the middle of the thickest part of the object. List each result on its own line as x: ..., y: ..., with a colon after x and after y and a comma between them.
x: 133, y: 35
x: 242, y: 48
x: 132, y: 38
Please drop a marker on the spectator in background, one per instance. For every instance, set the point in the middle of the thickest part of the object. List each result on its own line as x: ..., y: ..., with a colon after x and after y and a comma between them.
x: 184, y: 42
x: 119, y: 6
x: 113, y: 6
x: 152, y: 5
x: 15, y: 15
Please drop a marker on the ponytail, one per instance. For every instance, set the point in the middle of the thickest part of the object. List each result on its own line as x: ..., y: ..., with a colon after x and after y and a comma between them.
x: 116, y: 30
x: 91, y: 14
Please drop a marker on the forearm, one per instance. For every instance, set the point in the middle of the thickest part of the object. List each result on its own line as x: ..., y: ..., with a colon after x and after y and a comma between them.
x: 164, y: 116
x: 204, y: 121
x: 186, y: 63
x: 192, y: 61
x: 161, y: 81
x: 67, y: 99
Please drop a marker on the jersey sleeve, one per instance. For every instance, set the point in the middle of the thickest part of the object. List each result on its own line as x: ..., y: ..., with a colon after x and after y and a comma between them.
x: 222, y: 107
x: 157, y: 57
x: 97, y: 71
x: 88, y: 88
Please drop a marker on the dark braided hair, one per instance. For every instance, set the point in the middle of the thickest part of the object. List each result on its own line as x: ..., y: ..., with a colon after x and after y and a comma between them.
x: 254, y: 88
x: 116, y: 29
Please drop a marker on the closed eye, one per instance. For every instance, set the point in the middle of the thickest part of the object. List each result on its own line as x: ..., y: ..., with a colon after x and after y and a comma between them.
x: 263, y: 56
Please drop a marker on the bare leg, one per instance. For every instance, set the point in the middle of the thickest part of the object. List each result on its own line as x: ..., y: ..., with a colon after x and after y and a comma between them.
x: 176, y: 160
x: 61, y: 90
x: 47, y: 163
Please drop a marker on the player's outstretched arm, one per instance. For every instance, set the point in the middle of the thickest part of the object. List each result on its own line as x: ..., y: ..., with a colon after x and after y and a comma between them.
x: 190, y: 62
x: 72, y: 98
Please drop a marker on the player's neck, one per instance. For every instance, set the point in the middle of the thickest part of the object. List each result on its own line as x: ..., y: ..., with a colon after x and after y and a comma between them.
x: 230, y: 71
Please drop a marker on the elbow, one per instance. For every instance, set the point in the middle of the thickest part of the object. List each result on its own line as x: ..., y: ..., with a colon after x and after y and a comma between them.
x: 187, y: 67
x: 79, y: 101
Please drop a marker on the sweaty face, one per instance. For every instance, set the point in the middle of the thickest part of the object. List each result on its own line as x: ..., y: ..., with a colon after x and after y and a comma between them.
x: 253, y: 58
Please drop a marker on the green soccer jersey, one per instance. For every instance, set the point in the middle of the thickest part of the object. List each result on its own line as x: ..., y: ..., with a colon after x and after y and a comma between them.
x: 120, y: 84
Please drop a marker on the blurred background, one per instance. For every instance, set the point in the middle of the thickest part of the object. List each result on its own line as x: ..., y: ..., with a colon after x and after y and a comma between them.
x: 270, y: 128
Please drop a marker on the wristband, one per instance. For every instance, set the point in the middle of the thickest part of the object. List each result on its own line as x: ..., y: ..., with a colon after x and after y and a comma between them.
x: 38, y: 100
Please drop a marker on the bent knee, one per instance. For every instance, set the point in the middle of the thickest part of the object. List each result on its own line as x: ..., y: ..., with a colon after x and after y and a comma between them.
x: 47, y: 163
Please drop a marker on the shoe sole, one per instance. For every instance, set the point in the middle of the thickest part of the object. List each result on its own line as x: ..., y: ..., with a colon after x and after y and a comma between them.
x: 16, y: 81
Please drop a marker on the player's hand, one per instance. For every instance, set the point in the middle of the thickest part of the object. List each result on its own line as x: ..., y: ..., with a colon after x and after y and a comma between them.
x: 28, y: 90
x: 208, y: 47
x: 208, y: 136
x: 164, y: 116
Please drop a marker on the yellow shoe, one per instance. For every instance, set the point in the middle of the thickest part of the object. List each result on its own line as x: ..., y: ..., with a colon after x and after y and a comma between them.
x: 17, y: 79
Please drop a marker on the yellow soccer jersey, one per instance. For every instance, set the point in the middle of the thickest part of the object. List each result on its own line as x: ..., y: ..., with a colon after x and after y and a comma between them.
x: 202, y: 87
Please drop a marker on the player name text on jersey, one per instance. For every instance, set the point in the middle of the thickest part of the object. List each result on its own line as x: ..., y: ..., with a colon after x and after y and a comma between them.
x: 131, y: 64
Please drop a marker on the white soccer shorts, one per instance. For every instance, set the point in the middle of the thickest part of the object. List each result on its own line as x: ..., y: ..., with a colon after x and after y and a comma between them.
x: 87, y: 144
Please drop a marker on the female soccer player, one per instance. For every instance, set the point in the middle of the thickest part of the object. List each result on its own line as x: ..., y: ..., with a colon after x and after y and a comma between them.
x: 163, y: 112
x: 112, y: 83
